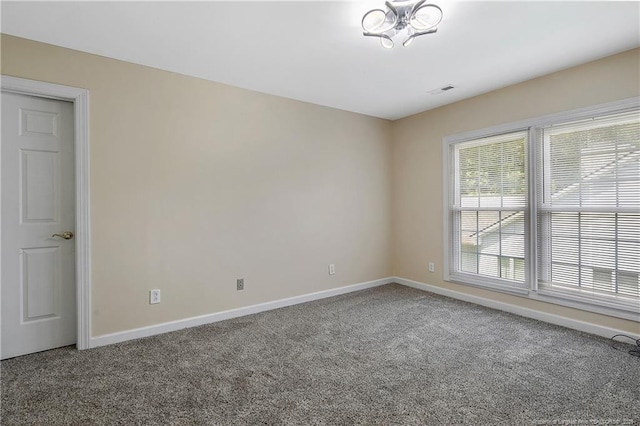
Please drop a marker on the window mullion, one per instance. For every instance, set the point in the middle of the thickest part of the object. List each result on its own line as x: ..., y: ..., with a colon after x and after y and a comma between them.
x: 478, y: 213
x: 478, y: 241
x: 531, y: 210
x: 500, y: 244
x: 616, y: 274
x: 499, y: 266
x: 579, y: 249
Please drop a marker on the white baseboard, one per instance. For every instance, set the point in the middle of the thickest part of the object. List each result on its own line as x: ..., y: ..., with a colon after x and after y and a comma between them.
x: 152, y: 330
x: 525, y: 312
x: 156, y: 329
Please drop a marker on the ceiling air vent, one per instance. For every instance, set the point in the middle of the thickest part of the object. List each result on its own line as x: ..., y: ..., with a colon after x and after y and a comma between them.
x: 441, y: 89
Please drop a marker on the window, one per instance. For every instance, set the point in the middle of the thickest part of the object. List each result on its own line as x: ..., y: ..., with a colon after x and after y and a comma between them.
x: 549, y: 208
x: 490, y: 199
x: 589, y: 208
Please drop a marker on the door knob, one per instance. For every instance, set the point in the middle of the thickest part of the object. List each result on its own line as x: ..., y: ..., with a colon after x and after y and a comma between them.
x: 67, y: 235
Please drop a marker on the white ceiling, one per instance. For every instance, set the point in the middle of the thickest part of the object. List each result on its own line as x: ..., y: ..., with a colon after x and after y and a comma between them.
x: 314, y: 51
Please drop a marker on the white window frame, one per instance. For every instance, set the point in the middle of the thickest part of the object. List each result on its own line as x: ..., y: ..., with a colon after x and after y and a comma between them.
x: 495, y: 283
x: 534, y: 127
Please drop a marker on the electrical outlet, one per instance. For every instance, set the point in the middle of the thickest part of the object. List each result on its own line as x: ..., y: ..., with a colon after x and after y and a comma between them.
x: 332, y: 269
x: 432, y: 267
x: 240, y: 284
x: 154, y: 297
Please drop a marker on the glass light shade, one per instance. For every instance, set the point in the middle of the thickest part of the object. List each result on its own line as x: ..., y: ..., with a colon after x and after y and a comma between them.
x: 373, y: 20
x: 401, y: 22
x: 387, y: 43
x: 377, y: 21
x: 425, y: 17
x: 410, y: 37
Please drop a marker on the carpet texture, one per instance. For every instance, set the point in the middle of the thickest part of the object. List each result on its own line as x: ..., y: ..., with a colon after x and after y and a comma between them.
x: 390, y: 355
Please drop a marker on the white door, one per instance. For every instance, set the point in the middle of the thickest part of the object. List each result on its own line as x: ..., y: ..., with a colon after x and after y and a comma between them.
x: 38, y: 269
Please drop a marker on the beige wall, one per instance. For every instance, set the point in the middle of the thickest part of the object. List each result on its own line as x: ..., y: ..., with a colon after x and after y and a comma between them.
x: 417, y: 197
x: 195, y: 184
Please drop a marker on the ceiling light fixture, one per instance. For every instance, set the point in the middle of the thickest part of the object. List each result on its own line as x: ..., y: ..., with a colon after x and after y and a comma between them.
x: 406, y: 19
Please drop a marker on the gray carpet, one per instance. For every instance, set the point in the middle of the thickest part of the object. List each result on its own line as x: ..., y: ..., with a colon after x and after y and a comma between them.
x: 389, y: 355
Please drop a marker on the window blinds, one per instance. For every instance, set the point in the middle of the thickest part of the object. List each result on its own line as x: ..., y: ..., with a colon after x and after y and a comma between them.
x: 588, y: 208
x: 489, y: 203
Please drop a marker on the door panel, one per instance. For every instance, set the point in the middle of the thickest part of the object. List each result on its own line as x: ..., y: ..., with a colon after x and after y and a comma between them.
x: 38, y: 123
x: 40, y: 282
x: 38, y: 184
x: 38, y: 189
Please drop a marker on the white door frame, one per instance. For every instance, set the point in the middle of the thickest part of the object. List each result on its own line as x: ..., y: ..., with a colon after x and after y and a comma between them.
x: 80, y: 100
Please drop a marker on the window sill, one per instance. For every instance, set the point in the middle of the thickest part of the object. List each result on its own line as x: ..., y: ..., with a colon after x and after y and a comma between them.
x: 589, y: 304
x: 571, y: 300
x: 494, y: 284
